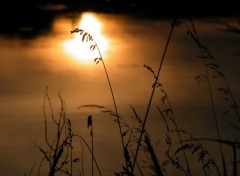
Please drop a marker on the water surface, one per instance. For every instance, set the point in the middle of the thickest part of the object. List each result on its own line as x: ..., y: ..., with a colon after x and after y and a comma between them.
x: 60, y: 61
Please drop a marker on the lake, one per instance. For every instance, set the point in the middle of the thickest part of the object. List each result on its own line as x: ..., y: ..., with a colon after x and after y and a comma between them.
x: 60, y: 61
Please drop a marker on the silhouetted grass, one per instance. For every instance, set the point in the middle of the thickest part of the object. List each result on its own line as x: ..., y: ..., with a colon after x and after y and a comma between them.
x: 58, y: 151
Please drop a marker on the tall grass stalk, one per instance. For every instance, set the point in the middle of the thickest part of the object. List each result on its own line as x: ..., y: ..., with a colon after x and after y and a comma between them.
x: 233, y: 144
x: 90, y: 125
x: 87, y: 37
x: 206, y: 54
x: 89, y: 149
x: 195, y: 146
x: 174, y: 23
x: 147, y: 147
x: 82, y: 161
x: 168, y: 112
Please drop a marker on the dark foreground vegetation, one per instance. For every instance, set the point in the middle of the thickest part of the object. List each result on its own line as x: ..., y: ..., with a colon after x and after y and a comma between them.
x: 181, y: 146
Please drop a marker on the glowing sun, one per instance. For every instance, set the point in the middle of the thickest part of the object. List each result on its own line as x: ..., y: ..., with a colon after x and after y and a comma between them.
x: 80, y: 50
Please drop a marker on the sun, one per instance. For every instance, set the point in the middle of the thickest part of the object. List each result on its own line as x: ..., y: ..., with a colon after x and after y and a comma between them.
x: 80, y: 50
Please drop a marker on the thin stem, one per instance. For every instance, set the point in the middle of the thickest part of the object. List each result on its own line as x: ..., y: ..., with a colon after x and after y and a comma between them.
x: 87, y: 37
x: 176, y: 127
x: 89, y: 149
x: 82, y: 161
x: 114, y: 102
x: 71, y: 154
x: 151, y: 97
x: 215, y: 115
x: 92, y: 147
x: 207, y: 55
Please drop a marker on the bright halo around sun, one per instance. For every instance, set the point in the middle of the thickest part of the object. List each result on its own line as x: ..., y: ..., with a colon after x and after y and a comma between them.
x: 80, y: 50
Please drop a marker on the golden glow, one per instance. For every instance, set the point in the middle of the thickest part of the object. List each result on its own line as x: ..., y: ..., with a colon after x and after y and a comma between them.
x: 81, y: 50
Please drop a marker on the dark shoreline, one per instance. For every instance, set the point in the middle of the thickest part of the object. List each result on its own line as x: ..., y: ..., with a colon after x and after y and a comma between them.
x: 151, y: 8
x: 31, y: 19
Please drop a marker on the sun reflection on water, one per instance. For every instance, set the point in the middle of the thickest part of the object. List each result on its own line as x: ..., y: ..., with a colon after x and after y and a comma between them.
x: 81, y: 50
